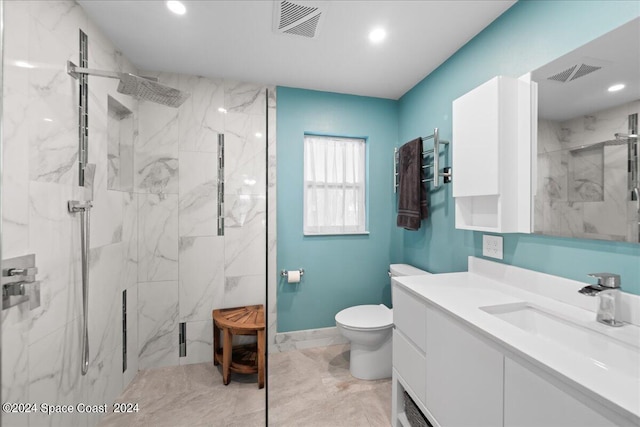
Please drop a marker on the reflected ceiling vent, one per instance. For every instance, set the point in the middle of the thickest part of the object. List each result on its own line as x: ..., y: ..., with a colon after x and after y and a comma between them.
x: 574, y: 72
x: 301, y: 18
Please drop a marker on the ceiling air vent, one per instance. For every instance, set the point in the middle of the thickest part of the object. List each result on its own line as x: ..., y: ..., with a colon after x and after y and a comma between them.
x: 298, y: 18
x: 574, y: 72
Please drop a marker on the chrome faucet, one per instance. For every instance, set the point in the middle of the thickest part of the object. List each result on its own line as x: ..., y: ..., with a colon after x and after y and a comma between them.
x: 608, y: 289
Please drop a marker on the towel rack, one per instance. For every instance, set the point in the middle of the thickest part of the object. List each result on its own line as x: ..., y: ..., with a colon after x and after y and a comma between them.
x: 435, y: 166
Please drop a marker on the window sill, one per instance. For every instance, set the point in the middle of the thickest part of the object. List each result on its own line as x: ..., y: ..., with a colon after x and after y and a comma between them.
x: 358, y: 233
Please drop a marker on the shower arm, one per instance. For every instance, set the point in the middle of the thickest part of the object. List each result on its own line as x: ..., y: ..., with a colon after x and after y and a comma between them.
x: 74, y: 71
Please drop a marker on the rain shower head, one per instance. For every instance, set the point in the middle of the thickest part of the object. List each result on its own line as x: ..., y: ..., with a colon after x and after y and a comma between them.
x: 622, y: 139
x: 149, y: 90
x: 136, y: 86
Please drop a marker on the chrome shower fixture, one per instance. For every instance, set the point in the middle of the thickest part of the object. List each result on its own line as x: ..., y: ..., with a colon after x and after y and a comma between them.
x: 144, y: 88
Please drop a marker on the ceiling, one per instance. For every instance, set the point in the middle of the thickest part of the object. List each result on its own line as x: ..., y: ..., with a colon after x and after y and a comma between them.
x: 234, y: 39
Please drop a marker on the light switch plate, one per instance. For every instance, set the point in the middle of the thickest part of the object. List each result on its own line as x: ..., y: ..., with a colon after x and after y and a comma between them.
x: 492, y: 246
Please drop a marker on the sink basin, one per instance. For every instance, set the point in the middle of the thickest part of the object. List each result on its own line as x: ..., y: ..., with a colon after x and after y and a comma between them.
x: 605, y: 351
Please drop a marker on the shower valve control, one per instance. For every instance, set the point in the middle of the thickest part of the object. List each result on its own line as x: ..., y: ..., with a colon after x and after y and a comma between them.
x: 22, y: 271
x: 19, y: 282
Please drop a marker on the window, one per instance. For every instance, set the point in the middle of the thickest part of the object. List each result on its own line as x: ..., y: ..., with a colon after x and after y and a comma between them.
x: 334, y: 185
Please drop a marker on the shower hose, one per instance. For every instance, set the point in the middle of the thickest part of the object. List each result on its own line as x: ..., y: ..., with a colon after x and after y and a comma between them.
x: 84, y: 242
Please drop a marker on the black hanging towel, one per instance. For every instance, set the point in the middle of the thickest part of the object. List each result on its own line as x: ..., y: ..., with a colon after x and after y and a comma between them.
x: 412, y: 198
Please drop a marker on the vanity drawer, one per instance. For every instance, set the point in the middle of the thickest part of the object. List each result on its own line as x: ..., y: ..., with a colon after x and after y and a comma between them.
x: 410, y: 317
x: 410, y: 364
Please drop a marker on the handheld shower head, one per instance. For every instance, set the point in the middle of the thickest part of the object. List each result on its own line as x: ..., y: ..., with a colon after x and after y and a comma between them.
x: 89, y: 176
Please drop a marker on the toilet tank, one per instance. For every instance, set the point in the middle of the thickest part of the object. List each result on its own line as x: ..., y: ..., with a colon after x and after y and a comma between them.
x: 405, y: 270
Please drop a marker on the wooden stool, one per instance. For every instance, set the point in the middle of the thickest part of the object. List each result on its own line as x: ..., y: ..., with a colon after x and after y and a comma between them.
x: 243, y: 359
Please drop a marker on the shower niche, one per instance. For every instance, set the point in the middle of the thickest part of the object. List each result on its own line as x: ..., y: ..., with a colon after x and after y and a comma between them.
x: 120, y: 136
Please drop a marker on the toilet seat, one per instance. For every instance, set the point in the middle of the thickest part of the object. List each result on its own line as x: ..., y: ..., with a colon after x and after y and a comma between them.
x: 366, y: 317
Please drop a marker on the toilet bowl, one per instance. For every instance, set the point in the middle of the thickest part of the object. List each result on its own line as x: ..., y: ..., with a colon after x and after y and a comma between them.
x: 369, y: 330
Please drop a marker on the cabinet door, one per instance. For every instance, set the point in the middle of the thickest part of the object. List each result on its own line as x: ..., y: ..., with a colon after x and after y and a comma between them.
x: 476, y: 141
x: 464, y: 375
x: 531, y: 401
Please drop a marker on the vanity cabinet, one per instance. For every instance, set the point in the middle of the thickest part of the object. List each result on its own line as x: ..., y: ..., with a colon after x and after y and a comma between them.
x: 459, y: 377
x: 532, y: 401
x: 492, y: 156
x: 443, y: 367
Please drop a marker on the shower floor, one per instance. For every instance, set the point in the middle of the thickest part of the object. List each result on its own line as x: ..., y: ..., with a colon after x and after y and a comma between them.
x: 310, y: 387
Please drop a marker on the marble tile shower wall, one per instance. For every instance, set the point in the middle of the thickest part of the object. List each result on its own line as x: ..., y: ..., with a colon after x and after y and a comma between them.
x: 41, y: 348
x: 583, y: 192
x: 185, y: 269
x: 157, y: 238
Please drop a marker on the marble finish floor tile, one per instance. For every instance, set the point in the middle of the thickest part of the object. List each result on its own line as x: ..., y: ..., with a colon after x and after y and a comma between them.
x: 313, y: 387
x: 310, y: 387
x: 190, y: 395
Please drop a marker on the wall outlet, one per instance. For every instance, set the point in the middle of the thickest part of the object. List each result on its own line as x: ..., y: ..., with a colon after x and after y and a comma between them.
x: 492, y: 246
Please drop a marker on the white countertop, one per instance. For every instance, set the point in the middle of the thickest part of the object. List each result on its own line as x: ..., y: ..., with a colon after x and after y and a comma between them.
x: 461, y: 295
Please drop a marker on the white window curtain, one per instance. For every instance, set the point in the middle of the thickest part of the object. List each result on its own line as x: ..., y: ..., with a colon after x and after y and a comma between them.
x: 334, y: 187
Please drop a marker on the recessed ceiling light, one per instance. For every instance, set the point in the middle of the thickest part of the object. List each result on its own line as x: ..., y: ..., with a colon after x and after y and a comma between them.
x: 616, y: 87
x: 222, y: 110
x: 258, y: 135
x: 377, y: 35
x: 176, y: 7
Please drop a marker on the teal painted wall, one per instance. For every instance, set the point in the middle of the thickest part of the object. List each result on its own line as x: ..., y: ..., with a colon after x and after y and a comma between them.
x: 340, y: 271
x: 527, y: 36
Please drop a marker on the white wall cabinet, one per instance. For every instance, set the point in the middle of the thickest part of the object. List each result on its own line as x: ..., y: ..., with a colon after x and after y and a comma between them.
x: 492, y: 156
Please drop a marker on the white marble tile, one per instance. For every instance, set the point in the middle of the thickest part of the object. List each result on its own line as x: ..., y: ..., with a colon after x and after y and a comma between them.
x: 54, y: 236
x: 15, y: 361
x: 105, y: 304
x: 156, y: 151
x: 200, y: 120
x: 198, y: 194
x: 60, y: 18
x: 245, y: 234
x: 158, y: 237
x: 15, y: 176
x: 201, y: 276
x: 199, y: 342
x: 130, y: 240
x: 157, y: 324
x: 54, y: 375
x: 132, y: 336
x: 244, y: 210
x: 53, y: 131
x: 53, y: 138
x: 120, y: 139
x: 248, y: 98
x: 244, y: 290
x: 106, y: 218
x: 245, y: 154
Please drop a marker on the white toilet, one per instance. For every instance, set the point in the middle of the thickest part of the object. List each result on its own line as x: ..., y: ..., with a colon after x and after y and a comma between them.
x: 369, y: 329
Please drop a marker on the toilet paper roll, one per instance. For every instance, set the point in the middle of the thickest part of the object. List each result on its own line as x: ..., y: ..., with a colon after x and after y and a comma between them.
x: 293, y: 276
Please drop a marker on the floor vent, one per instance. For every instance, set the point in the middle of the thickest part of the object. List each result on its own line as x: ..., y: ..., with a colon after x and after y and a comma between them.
x: 298, y: 18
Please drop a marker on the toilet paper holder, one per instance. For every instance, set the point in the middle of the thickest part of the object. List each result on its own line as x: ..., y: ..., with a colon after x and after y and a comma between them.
x: 285, y: 273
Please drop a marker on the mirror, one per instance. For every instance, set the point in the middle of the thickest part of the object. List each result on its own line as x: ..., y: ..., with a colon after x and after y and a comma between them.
x: 587, y: 144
